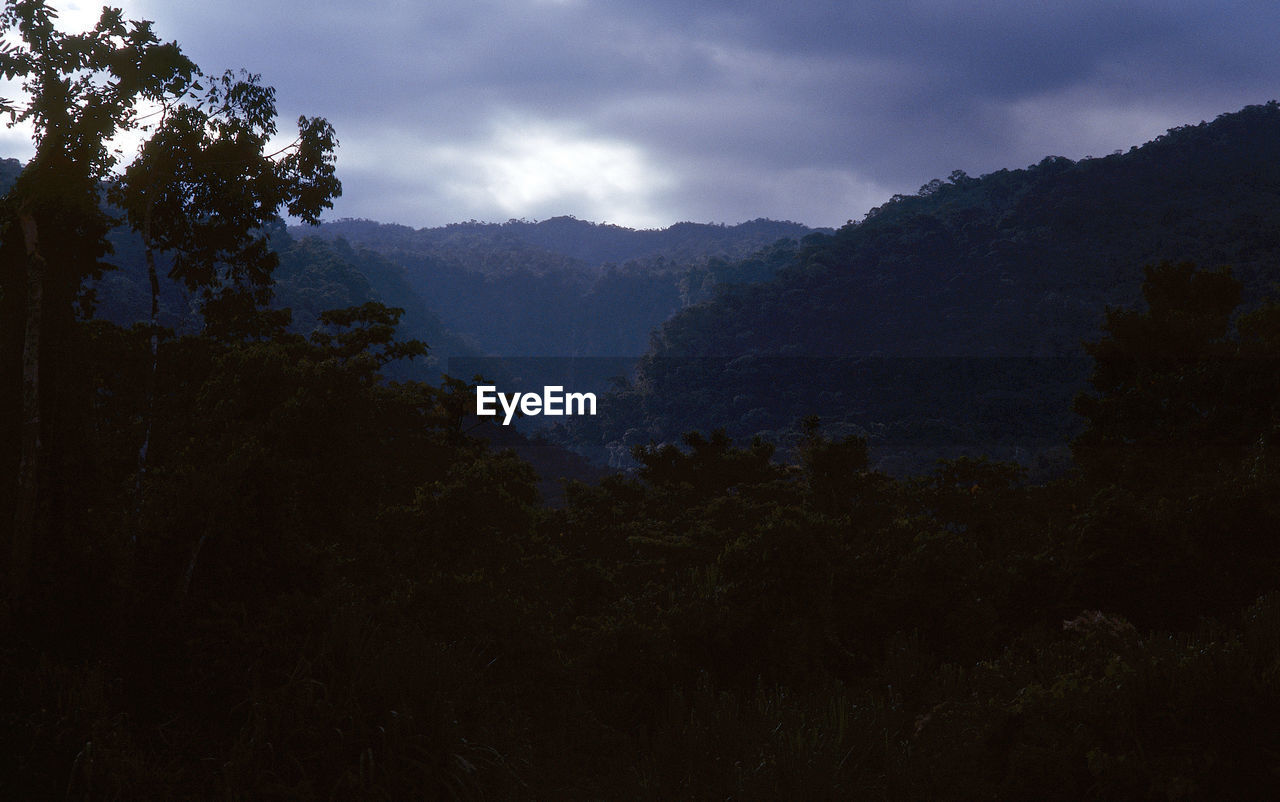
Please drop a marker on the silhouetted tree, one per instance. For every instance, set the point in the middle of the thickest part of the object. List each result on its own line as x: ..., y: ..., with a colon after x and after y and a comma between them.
x: 203, y: 188
x: 1178, y: 452
x: 81, y: 90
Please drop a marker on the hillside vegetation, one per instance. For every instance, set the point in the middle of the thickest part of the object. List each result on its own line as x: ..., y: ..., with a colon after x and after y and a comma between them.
x: 565, y: 287
x: 952, y: 322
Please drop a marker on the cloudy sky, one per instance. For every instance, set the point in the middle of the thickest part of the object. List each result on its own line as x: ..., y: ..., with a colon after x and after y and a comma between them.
x: 649, y: 113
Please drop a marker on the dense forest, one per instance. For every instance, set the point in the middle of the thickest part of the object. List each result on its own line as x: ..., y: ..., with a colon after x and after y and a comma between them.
x: 248, y: 556
x: 951, y: 323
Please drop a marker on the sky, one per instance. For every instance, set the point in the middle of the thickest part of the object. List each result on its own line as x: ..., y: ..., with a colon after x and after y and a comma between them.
x: 644, y: 114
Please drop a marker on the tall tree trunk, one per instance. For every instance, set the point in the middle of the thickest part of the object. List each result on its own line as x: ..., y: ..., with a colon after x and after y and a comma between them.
x: 28, y: 521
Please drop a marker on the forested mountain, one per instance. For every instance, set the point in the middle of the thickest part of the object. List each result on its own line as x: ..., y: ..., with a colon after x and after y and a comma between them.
x: 952, y: 322
x: 566, y: 287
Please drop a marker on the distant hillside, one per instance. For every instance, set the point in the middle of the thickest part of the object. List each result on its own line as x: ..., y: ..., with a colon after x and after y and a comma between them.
x: 567, y: 287
x: 1017, y: 263
x: 9, y: 171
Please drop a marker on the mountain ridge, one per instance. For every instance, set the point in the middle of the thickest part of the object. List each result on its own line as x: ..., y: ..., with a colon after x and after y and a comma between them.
x: 582, y: 241
x: 1016, y: 263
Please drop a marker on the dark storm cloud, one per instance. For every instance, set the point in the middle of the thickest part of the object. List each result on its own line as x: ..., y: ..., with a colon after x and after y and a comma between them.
x: 648, y: 113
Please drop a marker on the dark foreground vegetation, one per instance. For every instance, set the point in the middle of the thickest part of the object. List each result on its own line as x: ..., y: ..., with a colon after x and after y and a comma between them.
x: 321, y: 588
x: 240, y: 565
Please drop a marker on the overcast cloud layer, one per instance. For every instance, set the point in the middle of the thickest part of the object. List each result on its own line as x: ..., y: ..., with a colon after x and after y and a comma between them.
x: 645, y: 114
